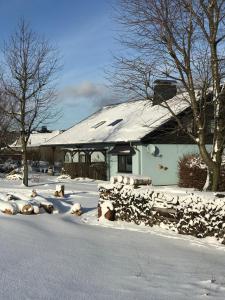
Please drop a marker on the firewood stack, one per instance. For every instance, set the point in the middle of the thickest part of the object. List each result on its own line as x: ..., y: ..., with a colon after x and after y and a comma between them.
x: 196, y: 214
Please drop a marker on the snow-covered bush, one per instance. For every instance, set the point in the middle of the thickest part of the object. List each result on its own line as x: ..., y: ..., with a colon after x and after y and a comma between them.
x: 193, y: 172
x: 198, y: 214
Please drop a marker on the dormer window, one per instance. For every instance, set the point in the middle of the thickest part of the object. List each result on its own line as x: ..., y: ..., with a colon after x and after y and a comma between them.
x: 115, y: 122
x: 98, y: 124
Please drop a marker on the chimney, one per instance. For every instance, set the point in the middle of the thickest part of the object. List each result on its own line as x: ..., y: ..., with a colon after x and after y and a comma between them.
x: 164, y: 90
x: 44, y: 129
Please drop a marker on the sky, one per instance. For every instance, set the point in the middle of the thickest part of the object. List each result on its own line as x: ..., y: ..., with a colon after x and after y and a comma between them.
x: 84, y: 32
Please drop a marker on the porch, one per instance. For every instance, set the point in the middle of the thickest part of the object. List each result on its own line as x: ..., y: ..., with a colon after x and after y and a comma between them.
x: 90, y: 163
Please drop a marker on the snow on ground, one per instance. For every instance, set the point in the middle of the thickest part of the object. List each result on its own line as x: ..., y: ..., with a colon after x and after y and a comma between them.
x: 62, y: 256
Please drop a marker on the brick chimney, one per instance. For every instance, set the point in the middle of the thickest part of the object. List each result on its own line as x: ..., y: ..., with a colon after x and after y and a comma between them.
x: 164, y: 90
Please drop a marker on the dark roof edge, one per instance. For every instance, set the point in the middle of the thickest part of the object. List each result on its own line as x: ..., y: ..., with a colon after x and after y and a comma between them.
x: 98, y: 143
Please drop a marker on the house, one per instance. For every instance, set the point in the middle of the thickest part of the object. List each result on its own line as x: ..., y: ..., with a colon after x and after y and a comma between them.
x: 35, y: 151
x: 133, y: 137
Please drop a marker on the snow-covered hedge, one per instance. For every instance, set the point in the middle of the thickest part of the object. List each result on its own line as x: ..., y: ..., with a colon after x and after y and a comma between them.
x: 193, y: 172
x: 198, y: 214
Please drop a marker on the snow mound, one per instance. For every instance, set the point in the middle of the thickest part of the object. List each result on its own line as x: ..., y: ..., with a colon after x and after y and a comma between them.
x: 83, y: 179
x: 64, y: 177
x: 14, y: 177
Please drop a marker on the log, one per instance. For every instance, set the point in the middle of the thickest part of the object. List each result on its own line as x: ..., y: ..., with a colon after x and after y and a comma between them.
x: 8, y: 208
x: 34, y: 193
x: 120, y: 178
x: 113, y: 179
x: 166, y: 212
x: 110, y: 215
x: 24, y: 207
x: 106, y: 210
x: 41, y: 202
x: 99, y: 211
x: 126, y: 180
x: 76, y: 209
x: 59, y: 191
x: 49, y: 208
x: 140, y: 181
x: 50, y: 171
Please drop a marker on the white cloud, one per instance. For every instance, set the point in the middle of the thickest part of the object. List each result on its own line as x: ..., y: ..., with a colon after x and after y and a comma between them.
x: 97, y: 94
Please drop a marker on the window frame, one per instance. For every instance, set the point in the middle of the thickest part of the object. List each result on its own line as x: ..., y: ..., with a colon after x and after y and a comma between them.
x: 115, y: 122
x: 119, y: 165
x: 98, y: 124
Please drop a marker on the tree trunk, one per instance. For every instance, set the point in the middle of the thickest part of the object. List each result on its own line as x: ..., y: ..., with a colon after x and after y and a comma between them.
x: 215, y: 178
x: 24, y: 159
x: 213, y: 166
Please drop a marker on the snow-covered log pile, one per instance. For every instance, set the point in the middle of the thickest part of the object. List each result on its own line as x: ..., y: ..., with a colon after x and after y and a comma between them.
x: 198, y: 214
x: 193, y: 172
x: 15, y: 203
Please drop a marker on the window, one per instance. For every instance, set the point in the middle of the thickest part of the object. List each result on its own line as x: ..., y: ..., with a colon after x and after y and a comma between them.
x: 97, y: 156
x: 115, y: 122
x: 76, y: 157
x: 124, y: 163
x: 98, y: 124
x: 82, y: 157
x: 68, y: 158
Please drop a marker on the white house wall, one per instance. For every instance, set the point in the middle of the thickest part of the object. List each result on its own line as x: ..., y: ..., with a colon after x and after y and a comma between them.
x: 162, y: 168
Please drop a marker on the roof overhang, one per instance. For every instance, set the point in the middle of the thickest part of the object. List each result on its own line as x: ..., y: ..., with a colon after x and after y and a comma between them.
x: 122, y: 150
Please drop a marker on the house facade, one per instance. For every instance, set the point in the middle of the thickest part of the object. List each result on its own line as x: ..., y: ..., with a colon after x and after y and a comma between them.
x: 134, y: 137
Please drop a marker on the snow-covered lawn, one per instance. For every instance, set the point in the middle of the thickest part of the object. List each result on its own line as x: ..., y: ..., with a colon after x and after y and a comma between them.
x: 61, y: 256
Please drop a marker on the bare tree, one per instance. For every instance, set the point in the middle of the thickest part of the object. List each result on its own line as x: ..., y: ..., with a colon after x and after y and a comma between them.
x: 30, y: 64
x: 7, y: 132
x: 185, y: 41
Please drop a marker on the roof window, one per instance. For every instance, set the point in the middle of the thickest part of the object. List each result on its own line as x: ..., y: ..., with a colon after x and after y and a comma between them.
x: 115, y: 122
x: 98, y: 124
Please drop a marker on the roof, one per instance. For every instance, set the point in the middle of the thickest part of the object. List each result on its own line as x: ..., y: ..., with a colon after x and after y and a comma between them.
x: 36, y: 139
x: 124, y: 122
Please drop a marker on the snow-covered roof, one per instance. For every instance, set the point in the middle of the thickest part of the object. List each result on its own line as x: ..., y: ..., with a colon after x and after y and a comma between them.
x: 124, y: 122
x: 36, y: 139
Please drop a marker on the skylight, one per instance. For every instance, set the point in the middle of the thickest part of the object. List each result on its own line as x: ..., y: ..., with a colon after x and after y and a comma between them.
x: 115, y: 122
x: 98, y: 124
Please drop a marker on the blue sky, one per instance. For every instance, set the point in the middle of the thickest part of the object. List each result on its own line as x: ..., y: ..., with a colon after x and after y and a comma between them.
x: 84, y: 32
